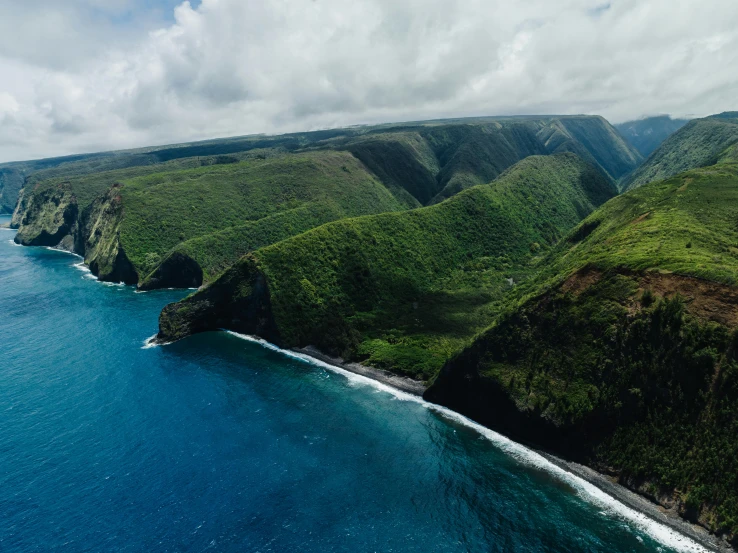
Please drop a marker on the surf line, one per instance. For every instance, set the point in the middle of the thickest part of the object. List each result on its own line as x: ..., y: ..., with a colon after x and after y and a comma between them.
x: 587, y: 491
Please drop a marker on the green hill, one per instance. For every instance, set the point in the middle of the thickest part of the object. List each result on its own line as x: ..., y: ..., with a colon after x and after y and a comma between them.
x: 170, y: 235
x: 400, y: 290
x: 434, y: 162
x: 622, y: 353
x: 647, y: 134
x: 150, y: 213
x: 700, y: 143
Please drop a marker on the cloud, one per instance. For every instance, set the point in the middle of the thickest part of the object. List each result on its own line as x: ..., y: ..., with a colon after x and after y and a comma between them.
x: 91, y: 75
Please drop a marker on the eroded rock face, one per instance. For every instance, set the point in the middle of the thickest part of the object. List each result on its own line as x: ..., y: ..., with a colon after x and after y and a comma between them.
x: 52, y: 218
x: 49, y: 216
x: 100, y: 240
x: 239, y: 301
x: 178, y: 270
x: 618, y: 370
x: 20, y: 209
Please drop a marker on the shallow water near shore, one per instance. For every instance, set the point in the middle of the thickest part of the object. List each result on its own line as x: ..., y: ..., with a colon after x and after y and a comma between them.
x: 216, y: 443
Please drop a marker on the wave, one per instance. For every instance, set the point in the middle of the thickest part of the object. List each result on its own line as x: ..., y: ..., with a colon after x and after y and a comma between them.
x: 610, y: 506
x: 150, y: 343
x: 50, y: 248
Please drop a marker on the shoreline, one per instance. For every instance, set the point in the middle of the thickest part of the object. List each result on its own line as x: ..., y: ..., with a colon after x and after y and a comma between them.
x: 404, y: 384
x: 630, y: 499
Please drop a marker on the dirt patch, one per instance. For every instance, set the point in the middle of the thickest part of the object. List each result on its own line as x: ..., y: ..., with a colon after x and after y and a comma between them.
x: 683, y: 187
x: 641, y: 218
x: 705, y: 300
x: 579, y: 281
x: 708, y: 301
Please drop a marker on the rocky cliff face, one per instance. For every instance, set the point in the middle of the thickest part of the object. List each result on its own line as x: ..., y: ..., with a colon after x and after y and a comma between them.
x: 52, y: 218
x: 20, y: 209
x: 49, y: 218
x: 100, y: 233
x: 240, y: 301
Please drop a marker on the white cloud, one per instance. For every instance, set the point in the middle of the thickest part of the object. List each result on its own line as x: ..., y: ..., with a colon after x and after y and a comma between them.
x: 82, y: 80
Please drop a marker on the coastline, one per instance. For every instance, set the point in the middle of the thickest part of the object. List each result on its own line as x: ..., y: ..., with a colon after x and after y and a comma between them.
x: 404, y: 384
x: 630, y: 499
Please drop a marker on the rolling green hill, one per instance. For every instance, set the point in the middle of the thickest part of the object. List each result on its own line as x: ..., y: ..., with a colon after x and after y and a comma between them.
x: 622, y: 353
x: 649, y: 133
x: 400, y: 290
x: 166, y: 217
x: 700, y: 143
x: 149, y: 213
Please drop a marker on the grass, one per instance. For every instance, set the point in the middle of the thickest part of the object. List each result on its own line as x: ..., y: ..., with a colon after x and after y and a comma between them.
x: 212, y: 202
x: 406, y: 290
x: 87, y: 186
x: 246, y: 204
x: 684, y: 225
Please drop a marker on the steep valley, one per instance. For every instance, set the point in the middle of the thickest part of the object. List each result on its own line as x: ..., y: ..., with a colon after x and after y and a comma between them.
x: 182, y: 215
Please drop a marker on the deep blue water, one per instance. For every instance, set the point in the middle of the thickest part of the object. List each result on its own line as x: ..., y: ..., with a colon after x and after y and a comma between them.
x: 219, y: 444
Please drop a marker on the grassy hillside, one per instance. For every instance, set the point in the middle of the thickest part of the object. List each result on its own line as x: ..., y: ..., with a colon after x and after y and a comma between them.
x: 647, y: 134
x: 89, y: 185
x: 623, y: 353
x: 700, y: 143
x: 217, y: 214
x: 401, y: 290
x: 13, y: 176
x: 170, y: 227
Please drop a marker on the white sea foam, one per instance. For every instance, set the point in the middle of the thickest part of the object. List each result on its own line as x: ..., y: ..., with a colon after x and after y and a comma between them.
x: 62, y: 251
x: 150, y: 343
x: 610, y: 506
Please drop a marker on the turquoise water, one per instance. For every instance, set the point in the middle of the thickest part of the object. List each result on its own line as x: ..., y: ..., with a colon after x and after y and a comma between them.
x: 220, y: 444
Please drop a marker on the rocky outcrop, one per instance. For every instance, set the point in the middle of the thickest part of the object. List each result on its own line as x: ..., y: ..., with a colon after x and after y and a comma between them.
x: 52, y: 218
x: 239, y: 301
x: 100, y: 239
x: 178, y: 270
x: 49, y: 216
x: 20, y: 209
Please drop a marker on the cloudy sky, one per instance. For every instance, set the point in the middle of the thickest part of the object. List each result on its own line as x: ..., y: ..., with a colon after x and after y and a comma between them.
x: 91, y: 75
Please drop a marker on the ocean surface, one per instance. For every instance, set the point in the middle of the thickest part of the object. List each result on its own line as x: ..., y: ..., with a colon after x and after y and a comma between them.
x: 221, y: 444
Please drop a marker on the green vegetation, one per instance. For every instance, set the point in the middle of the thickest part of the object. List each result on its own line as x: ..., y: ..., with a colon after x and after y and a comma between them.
x: 594, y: 140
x: 623, y: 351
x: 185, y: 213
x: 247, y: 204
x: 87, y: 183
x: 700, y: 143
x: 434, y: 162
x: 685, y: 225
x: 406, y: 290
x: 649, y: 133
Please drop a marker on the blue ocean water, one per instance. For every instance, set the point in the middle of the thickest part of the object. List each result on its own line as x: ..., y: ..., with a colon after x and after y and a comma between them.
x: 219, y: 444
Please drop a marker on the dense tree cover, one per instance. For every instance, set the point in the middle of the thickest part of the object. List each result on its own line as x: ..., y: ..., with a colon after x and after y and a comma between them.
x: 196, y: 208
x: 700, y: 143
x: 405, y: 290
x: 621, y: 351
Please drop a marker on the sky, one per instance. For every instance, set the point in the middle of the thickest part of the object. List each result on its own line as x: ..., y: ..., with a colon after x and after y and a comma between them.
x: 94, y: 75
